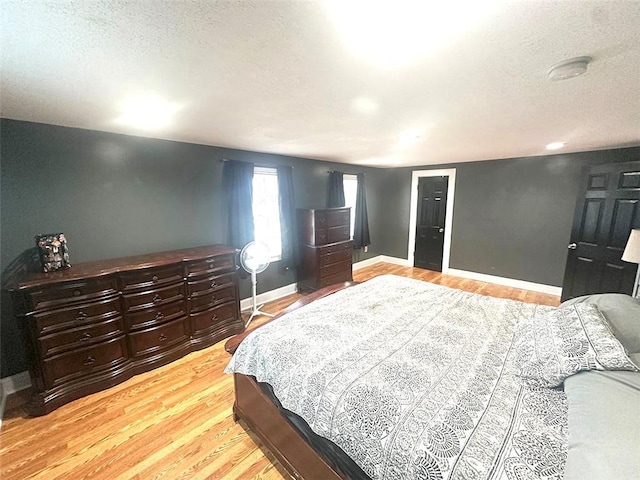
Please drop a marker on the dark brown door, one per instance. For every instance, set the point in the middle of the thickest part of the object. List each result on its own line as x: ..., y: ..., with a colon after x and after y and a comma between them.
x: 607, y: 209
x: 432, y: 209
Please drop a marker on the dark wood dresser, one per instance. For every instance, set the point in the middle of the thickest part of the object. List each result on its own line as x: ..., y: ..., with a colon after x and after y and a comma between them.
x: 97, y: 324
x: 325, y: 247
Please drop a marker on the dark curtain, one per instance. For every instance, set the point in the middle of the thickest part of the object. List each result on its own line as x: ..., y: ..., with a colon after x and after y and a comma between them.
x: 287, y: 216
x: 237, y: 181
x: 335, y: 194
x: 361, y: 228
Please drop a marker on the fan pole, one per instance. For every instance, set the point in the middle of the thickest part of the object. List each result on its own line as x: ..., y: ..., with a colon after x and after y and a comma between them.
x: 256, y: 308
x: 254, y: 290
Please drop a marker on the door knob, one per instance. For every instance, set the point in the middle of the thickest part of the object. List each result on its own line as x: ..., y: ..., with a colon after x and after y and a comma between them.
x: 441, y: 230
x: 572, y: 246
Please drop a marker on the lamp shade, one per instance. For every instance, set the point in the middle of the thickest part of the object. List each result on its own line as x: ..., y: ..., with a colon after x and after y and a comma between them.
x: 632, y: 250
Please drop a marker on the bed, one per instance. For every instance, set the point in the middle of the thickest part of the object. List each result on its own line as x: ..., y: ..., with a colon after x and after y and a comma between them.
x: 397, y: 378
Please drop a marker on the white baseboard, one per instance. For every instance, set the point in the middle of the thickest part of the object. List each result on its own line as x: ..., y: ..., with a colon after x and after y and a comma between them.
x: 481, y: 277
x: 15, y: 383
x: 10, y: 385
x: 269, y: 296
x: 367, y: 263
x: 403, y: 262
x: 507, y: 282
x: 278, y: 293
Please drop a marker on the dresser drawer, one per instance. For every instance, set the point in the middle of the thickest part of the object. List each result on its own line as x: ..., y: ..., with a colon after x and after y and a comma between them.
x: 158, y: 338
x: 81, y: 336
x: 158, y: 296
x: 219, y: 263
x: 64, y: 318
x: 338, y: 234
x: 338, y: 247
x: 338, y: 218
x: 150, y: 317
x: 319, y: 236
x: 212, y: 298
x: 200, y: 287
x: 73, y: 292
x: 214, y: 317
x: 81, y: 362
x: 334, y: 268
x: 336, y: 278
x: 334, y: 257
x: 150, y: 277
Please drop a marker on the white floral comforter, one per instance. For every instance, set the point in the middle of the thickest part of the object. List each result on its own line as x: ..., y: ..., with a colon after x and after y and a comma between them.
x: 413, y: 381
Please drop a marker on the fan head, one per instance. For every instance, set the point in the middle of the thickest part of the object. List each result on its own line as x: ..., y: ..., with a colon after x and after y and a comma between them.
x: 254, y: 257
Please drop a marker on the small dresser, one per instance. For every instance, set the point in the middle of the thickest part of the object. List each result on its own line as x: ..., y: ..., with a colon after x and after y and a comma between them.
x: 325, y: 247
x: 96, y: 324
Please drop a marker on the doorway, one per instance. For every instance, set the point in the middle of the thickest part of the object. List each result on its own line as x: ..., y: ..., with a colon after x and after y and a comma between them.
x: 608, y: 208
x: 431, y: 218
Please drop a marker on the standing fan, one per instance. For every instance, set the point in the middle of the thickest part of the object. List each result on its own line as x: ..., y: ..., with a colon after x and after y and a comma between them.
x: 254, y: 258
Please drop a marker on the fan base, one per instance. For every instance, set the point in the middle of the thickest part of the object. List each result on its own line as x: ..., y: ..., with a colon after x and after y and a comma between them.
x: 256, y: 313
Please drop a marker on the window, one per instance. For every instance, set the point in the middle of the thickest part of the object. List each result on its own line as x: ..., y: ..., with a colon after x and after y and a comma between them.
x: 266, y: 211
x: 350, y: 183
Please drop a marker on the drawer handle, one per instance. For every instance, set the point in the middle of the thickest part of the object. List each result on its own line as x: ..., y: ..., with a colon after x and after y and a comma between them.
x: 77, y: 293
x: 210, y: 260
x: 214, y: 284
x: 157, y: 299
x: 213, y: 298
x: 85, y: 336
x: 214, y: 318
x: 321, y: 219
x: 89, y: 361
x: 162, y: 337
x: 159, y: 316
x: 154, y: 278
x: 82, y: 316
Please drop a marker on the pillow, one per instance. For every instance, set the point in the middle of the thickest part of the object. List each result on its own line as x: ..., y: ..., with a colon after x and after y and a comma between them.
x: 622, y: 312
x: 604, y: 426
x: 553, y: 346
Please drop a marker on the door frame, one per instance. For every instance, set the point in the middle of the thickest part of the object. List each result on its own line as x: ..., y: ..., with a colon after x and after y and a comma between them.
x: 413, y: 213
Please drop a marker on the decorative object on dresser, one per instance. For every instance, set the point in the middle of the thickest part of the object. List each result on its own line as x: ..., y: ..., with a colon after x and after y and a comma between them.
x: 325, y: 247
x: 53, y: 251
x: 99, y: 323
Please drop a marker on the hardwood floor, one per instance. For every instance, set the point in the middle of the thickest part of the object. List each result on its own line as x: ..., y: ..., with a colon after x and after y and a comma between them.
x: 174, y: 422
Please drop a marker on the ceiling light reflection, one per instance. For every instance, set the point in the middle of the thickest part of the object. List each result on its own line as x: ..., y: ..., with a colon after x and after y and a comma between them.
x: 555, y: 145
x: 148, y: 113
x: 411, y: 137
x: 397, y: 33
x: 364, y: 105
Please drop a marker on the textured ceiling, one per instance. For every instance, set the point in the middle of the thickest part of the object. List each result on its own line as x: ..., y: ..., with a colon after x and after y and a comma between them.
x: 280, y: 77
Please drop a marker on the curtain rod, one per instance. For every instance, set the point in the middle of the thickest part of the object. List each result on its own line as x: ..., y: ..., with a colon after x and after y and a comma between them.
x: 254, y: 164
x: 345, y: 173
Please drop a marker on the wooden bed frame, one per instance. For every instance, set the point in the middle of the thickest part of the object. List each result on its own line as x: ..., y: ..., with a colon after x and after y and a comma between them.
x: 263, y: 418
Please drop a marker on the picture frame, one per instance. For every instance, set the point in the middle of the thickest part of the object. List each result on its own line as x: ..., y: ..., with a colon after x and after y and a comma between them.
x: 53, y: 251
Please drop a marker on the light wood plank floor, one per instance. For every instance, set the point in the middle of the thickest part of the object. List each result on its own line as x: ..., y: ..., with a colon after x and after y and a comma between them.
x: 173, y: 422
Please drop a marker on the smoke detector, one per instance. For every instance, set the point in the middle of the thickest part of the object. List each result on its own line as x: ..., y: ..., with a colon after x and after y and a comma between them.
x: 569, y: 68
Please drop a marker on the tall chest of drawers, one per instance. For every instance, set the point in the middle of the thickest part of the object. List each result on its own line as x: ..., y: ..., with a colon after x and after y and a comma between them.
x: 99, y: 323
x: 325, y: 247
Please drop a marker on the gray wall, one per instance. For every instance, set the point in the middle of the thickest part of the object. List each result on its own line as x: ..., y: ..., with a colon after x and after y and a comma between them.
x: 512, y: 218
x: 117, y: 195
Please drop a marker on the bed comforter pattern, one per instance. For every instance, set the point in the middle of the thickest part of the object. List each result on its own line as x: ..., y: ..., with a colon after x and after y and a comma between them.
x: 413, y: 381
